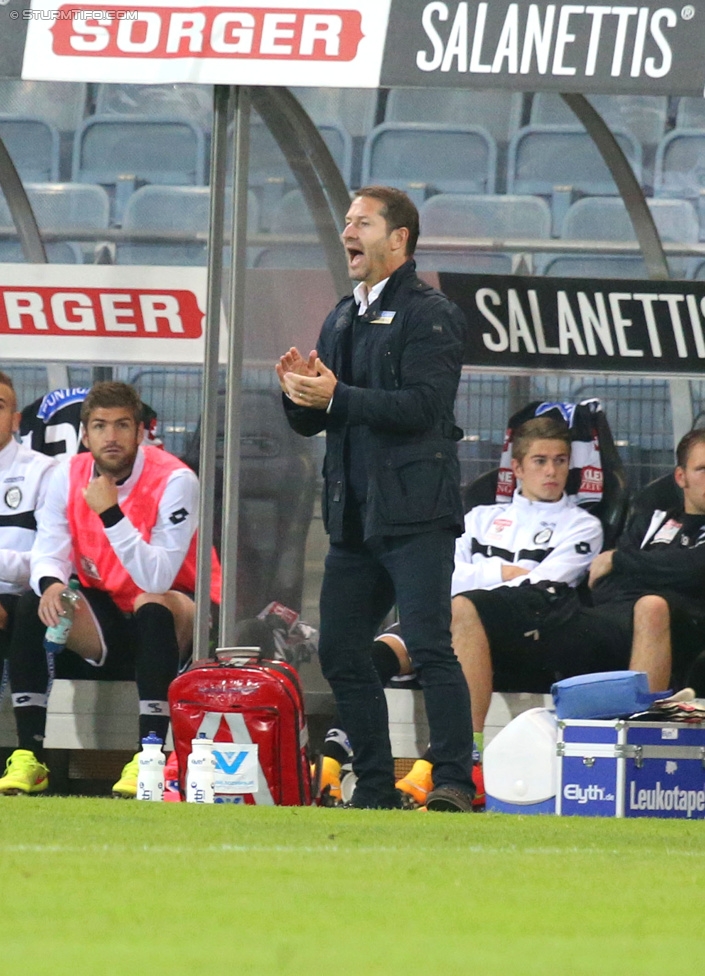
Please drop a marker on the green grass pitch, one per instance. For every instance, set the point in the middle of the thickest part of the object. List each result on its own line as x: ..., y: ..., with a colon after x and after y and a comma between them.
x: 93, y: 886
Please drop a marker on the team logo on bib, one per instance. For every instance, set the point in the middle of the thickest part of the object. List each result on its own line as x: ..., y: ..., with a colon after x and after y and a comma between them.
x: 543, y: 537
x: 13, y: 497
x: 89, y: 567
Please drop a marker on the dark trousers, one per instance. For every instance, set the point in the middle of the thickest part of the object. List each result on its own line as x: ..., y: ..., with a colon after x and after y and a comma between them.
x: 360, y: 586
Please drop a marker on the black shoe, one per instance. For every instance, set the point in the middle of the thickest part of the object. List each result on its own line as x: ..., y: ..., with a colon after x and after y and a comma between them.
x: 448, y: 798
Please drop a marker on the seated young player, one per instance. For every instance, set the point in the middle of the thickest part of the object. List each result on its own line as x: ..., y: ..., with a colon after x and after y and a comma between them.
x: 123, y: 517
x: 514, y: 557
x: 23, y: 481
x: 648, y: 594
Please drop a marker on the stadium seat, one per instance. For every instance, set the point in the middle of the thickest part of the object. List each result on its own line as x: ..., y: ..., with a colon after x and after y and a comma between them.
x: 355, y: 109
x: 269, y: 173
x: 191, y: 103
x: 61, y: 207
x: 680, y: 169
x: 33, y: 145
x: 173, y: 208
x: 424, y: 159
x: 58, y: 252
x: 123, y: 153
x: 292, y: 216
x: 460, y: 215
x: 562, y: 162
x: 499, y: 112
x: 607, y: 219
x: 691, y: 112
x: 496, y: 110
x: 644, y: 116
x: 62, y: 106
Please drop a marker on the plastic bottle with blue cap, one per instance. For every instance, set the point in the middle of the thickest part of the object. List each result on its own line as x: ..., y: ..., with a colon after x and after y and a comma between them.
x: 151, y: 762
x: 200, y: 781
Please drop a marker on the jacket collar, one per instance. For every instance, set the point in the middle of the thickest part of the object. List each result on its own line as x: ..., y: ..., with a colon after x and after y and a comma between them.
x: 405, y: 275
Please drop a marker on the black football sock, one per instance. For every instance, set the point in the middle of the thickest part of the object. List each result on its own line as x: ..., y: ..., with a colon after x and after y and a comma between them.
x: 336, y: 745
x: 156, y: 666
x: 29, y: 675
x: 385, y: 661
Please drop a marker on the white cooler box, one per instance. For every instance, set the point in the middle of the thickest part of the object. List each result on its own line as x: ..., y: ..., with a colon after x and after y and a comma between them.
x: 520, y: 765
x: 618, y: 768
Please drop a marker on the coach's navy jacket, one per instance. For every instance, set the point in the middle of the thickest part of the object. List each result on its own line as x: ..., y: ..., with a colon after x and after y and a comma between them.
x: 406, y: 409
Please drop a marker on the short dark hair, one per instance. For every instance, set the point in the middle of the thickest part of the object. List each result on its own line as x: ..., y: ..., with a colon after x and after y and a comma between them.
x: 6, y: 380
x: 538, y: 429
x: 398, y: 211
x: 111, y: 393
x: 686, y: 445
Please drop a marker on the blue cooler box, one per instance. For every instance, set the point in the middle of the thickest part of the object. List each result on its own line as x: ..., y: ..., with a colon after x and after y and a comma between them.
x: 630, y: 769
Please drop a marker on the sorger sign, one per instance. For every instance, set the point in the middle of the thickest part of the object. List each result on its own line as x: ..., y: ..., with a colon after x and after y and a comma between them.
x: 312, y: 42
x: 103, y: 313
x: 209, y: 32
x: 57, y: 311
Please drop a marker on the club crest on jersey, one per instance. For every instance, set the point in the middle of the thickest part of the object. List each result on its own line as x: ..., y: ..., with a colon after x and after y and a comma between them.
x: 89, y: 568
x: 13, y: 497
x: 543, y: 537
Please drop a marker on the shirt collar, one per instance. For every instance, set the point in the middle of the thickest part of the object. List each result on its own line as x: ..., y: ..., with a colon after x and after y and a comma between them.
x: 365, y: 298
x: 519, y: 500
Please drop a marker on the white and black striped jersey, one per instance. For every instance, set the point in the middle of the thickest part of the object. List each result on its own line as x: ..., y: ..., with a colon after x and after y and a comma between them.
x: 23, y: 483
x: 554, y: 541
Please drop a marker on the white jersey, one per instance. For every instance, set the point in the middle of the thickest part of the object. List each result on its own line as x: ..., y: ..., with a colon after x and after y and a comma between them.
x: 23, y: 484
x: 554, y: 541
x: 152, y: 565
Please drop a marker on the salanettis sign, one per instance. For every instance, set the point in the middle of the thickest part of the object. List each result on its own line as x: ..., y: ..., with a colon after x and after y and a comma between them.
x: 586, y: 325
x: 259, y: 42
x: 102, y: 313
x: 648, y: 47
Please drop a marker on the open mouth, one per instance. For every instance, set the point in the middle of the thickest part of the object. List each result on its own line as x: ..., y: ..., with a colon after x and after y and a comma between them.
x: 355, y: 255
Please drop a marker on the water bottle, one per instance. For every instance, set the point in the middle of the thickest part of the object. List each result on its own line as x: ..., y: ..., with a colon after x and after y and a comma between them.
x: 56, y: 636
x: 151, y: 762
x: 200, y: 780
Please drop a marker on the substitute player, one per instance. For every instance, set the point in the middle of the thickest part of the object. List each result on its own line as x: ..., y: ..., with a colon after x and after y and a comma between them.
x: 23, y: 481
x: 122, y: 516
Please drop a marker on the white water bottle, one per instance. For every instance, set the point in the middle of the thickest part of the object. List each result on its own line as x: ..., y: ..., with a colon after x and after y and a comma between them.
x: 200, y: 779
x: 56, y: 636
x: 151, y: 762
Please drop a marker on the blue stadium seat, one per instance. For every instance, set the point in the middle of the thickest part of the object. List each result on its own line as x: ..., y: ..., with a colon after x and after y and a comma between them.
x: 353, y: 108
x: 560, y: 162
x: 269, y: 173
x: 691, y: 112
x: 122, y: 153
x: 192, y: 103
x: 680, y: 169
x: 644, y: 116
x: 173, y: 208
x: 60, y: 252
x: 424, y: 159
x: 607, y: 219
x: 456, y: 215
x: 62, y: 207
x: 62, y: 105
x: 33, y: 145
x: 496, y: 110
x: 292, y: 216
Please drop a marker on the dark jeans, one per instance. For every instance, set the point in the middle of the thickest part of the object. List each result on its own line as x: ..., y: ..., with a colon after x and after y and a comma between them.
x: 360, y: 586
